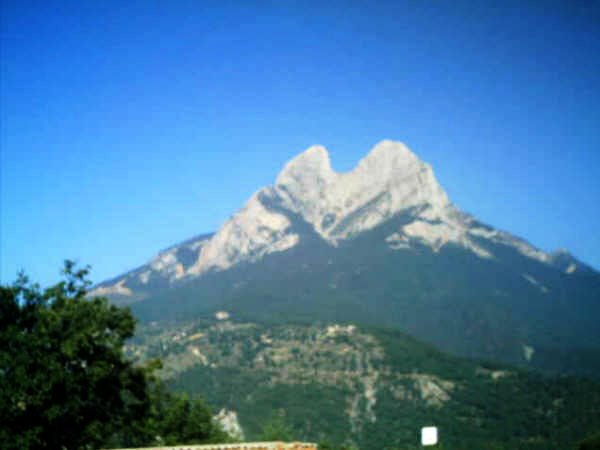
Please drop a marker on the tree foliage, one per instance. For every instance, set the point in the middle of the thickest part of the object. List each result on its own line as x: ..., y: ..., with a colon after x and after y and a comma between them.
x: 590, y: 443
x: 65, y: 382
x: 277, y: 429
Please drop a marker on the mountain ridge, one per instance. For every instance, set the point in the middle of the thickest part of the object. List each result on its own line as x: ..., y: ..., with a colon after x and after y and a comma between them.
x: 399, y: 255
x: 338, y: 205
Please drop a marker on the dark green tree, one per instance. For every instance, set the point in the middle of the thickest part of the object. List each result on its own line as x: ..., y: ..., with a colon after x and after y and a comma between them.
x: 590, y: 443
x: 65, y: 382
x: 277, y: 429
x: 179, y: 419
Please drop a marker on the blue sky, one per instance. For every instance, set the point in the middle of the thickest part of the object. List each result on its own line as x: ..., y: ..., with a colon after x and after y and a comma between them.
x: 128, y: 126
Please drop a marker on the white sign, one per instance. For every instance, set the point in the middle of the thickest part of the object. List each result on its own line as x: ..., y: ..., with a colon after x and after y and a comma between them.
x: 429, y: 436
x: 222, y: 315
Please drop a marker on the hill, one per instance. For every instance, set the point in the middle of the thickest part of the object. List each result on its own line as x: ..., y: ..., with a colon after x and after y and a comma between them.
x: 372, y: 388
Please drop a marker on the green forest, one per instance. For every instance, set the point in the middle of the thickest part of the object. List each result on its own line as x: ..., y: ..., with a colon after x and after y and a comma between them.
x: 76, y: 373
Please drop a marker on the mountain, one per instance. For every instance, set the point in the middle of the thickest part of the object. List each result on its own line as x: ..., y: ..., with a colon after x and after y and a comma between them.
x: 366, y: 387
x: 381, y: 245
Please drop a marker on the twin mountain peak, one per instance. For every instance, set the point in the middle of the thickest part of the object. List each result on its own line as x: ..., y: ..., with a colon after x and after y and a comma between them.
x: 390, y: 181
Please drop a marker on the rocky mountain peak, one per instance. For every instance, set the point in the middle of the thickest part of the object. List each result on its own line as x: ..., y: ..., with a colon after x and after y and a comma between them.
x: 388, y: 154
x: 310, y: 166
x: 388, y: 180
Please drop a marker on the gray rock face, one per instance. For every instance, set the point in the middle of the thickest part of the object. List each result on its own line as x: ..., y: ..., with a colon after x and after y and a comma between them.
x: 389, y: 181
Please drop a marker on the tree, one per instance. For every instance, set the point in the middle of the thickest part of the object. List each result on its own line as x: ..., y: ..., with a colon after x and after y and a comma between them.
x: 277, y: 429
x: 179, y: 419
x: 590, y: 443
x: 65, y: 382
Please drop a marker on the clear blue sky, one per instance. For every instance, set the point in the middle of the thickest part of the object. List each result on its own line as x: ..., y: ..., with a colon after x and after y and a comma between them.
x: 128, y: 126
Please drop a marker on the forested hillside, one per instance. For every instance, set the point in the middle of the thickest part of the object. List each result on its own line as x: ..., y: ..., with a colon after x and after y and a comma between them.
x: 366, y: 387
